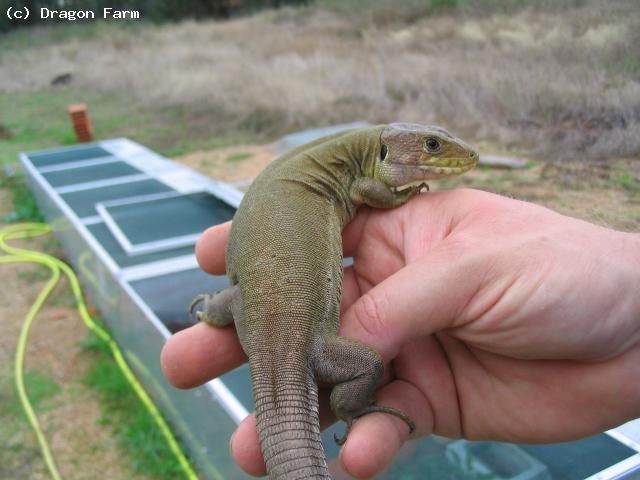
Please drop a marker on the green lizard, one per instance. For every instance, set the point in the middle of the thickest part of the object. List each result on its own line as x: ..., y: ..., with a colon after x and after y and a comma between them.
x: 284, y: 262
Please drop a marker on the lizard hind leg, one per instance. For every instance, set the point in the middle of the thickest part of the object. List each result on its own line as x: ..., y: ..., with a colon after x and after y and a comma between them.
x: 217, y: 309
x: 355, y: 370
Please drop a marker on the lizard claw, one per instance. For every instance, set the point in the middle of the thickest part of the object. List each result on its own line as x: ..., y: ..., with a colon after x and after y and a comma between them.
x: 371, y: 409
x: 340, y: 440
x: 200, y: 298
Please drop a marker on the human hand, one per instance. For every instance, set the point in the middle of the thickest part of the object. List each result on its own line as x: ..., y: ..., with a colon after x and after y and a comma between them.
x: 498, y: 319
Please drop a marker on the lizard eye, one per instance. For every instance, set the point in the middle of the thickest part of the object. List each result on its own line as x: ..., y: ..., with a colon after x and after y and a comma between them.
x: 383, y: 151
x: 432, y: 144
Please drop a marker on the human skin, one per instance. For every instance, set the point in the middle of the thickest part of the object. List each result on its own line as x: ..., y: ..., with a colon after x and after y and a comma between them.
x: 497, y: 319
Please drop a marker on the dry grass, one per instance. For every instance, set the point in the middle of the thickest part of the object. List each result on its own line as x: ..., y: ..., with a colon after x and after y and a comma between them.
x: 561, y: 81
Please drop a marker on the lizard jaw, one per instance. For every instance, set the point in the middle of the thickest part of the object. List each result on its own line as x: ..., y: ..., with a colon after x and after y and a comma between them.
x: 404, y: 176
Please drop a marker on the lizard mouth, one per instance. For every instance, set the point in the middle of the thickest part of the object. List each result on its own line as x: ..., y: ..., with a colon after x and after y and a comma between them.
x: 404, y: 176
x: 446, y: 168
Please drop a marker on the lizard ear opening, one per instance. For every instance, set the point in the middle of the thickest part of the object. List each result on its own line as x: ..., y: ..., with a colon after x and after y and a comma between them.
x: 383, y: 152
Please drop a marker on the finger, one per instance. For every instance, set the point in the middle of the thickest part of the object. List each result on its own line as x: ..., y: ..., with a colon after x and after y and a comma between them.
x: 210, y: 248
x: 425, y: 296
x: 353, y: 231
x: 200, y: 353
x: 376, y: 438
x: 245, y: 447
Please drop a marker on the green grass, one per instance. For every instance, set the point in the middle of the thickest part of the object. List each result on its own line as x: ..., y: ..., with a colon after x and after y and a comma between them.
x: 239, y: 157
x: 40, y: 120
x: 33, y: 275
x: 40, y: 388
x: 25, y: 208
x: 34, y: 37
x: 628, y: 182
x: 135, y: 429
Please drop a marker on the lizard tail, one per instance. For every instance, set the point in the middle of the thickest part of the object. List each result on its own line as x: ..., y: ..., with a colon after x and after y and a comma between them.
x: 288, y: 425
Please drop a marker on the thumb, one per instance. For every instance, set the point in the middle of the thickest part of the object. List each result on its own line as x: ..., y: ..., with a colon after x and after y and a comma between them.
x: 425, y: 296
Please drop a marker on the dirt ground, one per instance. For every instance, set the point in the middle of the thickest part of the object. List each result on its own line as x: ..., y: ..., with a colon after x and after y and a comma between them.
x: 82, y: 447
x: 238, y: 164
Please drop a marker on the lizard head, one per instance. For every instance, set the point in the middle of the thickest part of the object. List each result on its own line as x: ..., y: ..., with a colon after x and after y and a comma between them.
x: 411, y: 153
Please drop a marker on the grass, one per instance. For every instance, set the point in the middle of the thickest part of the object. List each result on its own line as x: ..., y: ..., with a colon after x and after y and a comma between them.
x: 25, y: 208
x: 239, y: 157
x: 40, y: 120
x: 135, y: 429
x: 40, y: 388
x: 627, y: 181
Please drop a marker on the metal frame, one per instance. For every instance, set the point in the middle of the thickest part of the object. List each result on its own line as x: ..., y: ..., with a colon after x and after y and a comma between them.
x: 79, y: 163
x: 108, y: 284
x: 146, y: 247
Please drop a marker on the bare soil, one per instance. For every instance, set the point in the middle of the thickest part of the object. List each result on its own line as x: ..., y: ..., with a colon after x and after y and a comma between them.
x: 220, y: 164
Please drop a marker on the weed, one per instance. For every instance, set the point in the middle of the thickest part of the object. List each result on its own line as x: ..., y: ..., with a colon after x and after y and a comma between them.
x: 32, y: 275
x: 628, y: 182
x: 239, y: 157
x: 25, y: 208
x: 40, y: 387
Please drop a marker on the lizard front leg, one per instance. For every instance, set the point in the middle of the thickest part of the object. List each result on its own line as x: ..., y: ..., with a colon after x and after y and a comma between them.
x: 355, y: 370
x: 372, y: 192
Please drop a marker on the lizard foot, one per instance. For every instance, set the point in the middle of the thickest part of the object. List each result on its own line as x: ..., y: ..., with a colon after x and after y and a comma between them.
x: 216, y: 308
x: 200, y: 298
x: 340, y: 441
x: 372, y: 409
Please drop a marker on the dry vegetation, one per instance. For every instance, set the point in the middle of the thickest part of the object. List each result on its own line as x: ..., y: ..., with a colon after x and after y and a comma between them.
x: 559, y: 79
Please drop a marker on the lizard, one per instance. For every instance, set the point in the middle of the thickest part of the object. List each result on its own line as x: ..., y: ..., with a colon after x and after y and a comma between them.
x: 284, y: 263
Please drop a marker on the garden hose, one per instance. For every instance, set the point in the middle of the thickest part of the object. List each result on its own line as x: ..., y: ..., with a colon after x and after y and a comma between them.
x: 56, y: 266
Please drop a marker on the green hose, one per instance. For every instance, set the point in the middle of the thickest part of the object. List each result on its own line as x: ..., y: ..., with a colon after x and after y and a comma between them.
x: 56, y: 266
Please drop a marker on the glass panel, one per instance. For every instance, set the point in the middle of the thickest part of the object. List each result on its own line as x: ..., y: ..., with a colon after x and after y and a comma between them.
x: 581, y: 458
x: 110, y: 244
x: 170, y: 295
x: 72, y: 154
x: 83, y: 201
x: 154, y: 220
x: 441, y: 458
x: 91, y: 173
